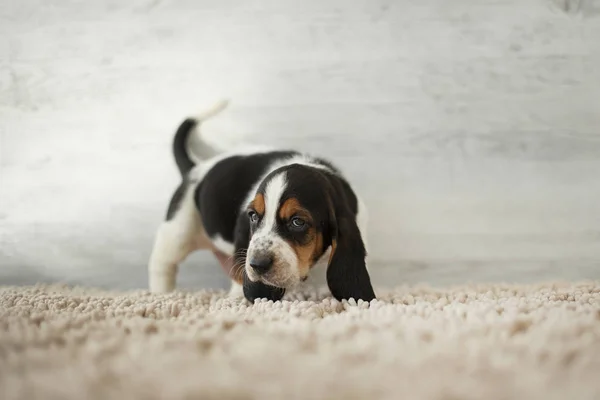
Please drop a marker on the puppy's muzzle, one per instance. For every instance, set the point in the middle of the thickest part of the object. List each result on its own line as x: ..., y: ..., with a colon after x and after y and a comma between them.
x: 261, y: 263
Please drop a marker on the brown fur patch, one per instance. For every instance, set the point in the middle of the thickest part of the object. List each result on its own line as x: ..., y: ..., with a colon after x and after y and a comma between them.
x: 306, y: 253
x: 292, y: 207
x: 259, y: 204
x: 318, y: 247
x: 309, y: 252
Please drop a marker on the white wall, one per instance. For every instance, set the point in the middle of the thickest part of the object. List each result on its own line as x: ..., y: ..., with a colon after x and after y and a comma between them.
x: 471, y: 127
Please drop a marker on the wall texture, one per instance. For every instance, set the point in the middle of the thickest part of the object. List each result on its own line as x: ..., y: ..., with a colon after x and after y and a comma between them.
x: 471, y: 127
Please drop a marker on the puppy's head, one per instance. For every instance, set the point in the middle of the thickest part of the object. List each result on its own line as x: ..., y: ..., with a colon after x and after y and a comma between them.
x: 298, y: 212
x: 288, y: 220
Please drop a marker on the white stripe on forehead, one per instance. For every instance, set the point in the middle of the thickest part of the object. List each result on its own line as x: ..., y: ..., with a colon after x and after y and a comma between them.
x: 273, y: 192
x: 296, y: 159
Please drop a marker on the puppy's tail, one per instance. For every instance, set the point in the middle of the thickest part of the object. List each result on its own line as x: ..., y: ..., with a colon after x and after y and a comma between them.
x: 183, y: 158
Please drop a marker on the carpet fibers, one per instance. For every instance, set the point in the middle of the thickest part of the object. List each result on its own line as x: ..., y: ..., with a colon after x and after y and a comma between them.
x: 470, y: 342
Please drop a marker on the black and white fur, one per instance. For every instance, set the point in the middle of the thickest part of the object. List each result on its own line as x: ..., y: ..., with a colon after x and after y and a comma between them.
x: 211, y: 209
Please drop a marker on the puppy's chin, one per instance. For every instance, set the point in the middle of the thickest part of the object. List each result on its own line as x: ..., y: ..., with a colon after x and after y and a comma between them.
x: 287, y: 281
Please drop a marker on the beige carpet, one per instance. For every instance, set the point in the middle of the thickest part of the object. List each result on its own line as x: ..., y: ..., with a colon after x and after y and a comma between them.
x: 472, y: 342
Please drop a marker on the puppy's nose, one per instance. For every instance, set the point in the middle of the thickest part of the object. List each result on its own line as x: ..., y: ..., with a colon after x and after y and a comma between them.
x: 261, y: 264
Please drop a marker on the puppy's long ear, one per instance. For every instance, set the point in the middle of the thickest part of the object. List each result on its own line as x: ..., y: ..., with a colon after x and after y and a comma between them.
x: 252, y: 290
x: 347, y: 275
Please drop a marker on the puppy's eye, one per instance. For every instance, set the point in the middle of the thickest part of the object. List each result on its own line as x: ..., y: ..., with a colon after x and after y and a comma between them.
x: 253, y: 216
x: 297, y: 223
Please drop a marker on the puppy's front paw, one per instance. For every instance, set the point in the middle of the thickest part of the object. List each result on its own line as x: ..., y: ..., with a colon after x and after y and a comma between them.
x: 236, y: 291
x: 161, y: 282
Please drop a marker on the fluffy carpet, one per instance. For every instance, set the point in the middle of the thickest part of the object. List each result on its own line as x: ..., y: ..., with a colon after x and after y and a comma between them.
x: 470, y: 342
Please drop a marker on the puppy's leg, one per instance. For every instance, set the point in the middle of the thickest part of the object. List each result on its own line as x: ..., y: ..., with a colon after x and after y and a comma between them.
x: 181, y: 234
x: 236, y: 291
x: 233, y: 267
x: 226, y: 261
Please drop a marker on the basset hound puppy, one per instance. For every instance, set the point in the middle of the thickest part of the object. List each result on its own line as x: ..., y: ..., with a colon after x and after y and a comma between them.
x: 268, y: 215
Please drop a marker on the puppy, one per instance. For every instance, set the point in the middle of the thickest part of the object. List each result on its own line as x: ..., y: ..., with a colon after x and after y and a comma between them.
x: 268, y: 215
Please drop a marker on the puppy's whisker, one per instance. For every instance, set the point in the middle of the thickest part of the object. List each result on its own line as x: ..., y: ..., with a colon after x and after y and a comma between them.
x: 239, y: 262
x: 237, y: 270
x: 240, y: 253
